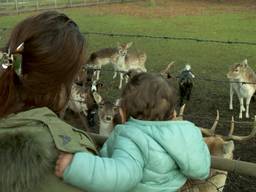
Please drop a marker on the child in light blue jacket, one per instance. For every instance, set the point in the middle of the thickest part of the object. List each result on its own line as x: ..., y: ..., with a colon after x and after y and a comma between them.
x: 149, y: 152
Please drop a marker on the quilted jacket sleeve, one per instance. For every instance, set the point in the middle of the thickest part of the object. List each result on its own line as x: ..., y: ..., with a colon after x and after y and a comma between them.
x: 196, y: 160
x: 119, y: 173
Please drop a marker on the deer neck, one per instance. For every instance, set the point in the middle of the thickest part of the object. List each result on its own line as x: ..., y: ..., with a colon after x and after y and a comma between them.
x: 120, y: 60
x: 105, y: 128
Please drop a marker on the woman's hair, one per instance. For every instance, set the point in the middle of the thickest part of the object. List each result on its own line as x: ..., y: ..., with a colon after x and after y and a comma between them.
x: 53, y: 50
x: 149, y: 97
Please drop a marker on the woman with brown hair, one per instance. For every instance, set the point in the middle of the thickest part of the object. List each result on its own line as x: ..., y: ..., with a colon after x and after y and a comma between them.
x: 32, y: 95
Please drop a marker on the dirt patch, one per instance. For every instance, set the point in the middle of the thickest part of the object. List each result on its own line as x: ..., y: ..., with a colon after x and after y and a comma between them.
x: 169, y: 8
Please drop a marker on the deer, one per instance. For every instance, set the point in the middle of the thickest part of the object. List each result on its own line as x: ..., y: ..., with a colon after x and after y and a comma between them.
x: 108, y: 114
x: 243, y: 82
x: 128, y: 61
x: 83, y: 101
x: 106, y: 56
x: 220, y: 146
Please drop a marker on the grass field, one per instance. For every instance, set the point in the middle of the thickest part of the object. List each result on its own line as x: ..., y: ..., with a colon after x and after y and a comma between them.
x: 224, y: 21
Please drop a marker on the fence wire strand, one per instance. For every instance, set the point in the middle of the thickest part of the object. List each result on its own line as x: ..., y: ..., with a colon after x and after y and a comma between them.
x: 170, y: 38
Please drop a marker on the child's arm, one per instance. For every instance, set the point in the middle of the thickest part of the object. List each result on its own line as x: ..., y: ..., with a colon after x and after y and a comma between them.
x: 193, y: 156
x: 120, y: 173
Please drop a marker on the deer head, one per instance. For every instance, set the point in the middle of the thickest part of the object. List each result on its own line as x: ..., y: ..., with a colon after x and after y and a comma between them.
x: 236, y: 70
x: 123, y: 48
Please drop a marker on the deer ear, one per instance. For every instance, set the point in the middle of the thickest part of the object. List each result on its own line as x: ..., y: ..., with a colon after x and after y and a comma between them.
x: 118, y: 102
x: 228, y: 147
x: 98, y: 99
x: 245, y: 63
x: 128, y: 45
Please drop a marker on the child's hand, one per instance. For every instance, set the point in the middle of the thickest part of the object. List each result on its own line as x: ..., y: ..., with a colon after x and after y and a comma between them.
x: 62, y: 163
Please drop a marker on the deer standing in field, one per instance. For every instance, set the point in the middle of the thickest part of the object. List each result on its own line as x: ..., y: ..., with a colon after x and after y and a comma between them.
x: 220, y: 146
x: 129, y: 61
x: 107, y: 56
x: 238, y: 74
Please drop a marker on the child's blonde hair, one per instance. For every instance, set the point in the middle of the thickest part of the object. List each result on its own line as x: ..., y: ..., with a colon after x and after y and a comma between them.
x: 149, y: 97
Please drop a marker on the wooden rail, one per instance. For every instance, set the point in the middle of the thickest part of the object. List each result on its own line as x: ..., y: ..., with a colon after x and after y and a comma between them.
x: 240, y: 167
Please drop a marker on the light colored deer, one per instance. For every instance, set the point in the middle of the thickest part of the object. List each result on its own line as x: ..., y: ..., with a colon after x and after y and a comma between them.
x: 106, y: 113
x: 220, y: 146
x: 237, y: 74
x: 77, y: 101
x: 107, y: 56
x: 130, y: 61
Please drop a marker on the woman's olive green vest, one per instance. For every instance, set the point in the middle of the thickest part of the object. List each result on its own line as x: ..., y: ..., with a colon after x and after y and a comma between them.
x: 30, y: 142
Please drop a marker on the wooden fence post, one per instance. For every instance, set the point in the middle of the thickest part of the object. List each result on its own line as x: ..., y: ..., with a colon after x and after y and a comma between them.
x: 16, y: 6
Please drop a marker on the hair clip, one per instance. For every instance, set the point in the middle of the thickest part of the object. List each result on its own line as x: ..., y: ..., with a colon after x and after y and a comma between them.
x: 20, y: 48
x: 7, y: 60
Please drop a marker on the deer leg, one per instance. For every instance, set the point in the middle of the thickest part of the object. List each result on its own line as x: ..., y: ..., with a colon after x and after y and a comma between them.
x: 231, y: 98
x: 243, y: 108
x: 241, y: 100
x: 248, y: 99
x: 115, y: 74
x: 98, y: 75
x: 126, y: 78
x: 121, y: 80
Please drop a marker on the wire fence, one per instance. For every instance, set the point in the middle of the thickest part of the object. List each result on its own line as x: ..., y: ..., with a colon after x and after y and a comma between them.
x: 199, y: 40
x: 8, y: 7
x: 209, y: 181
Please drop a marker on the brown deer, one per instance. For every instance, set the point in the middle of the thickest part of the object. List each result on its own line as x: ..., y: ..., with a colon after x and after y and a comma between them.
x: 134, y: 61
x: 107, y: 56
x: 220, y: 146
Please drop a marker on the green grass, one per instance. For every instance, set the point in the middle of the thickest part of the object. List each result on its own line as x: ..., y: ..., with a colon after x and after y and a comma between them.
x: 208, y: 60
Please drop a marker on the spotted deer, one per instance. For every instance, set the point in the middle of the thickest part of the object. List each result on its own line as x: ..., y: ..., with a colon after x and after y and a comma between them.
x: 130, y: 61
x: 220, y: 146
x: 238, y: 74
x: 107, y: 56
x: 83, y: 101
